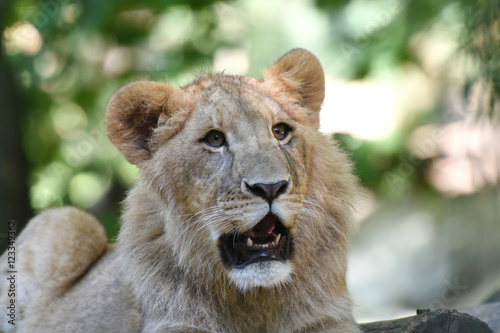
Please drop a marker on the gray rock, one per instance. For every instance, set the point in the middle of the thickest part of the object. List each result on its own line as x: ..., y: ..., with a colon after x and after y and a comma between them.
x: 438, y: 321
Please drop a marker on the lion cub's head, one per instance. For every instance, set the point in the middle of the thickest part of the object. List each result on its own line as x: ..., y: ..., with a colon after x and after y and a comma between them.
x: 235, y: 181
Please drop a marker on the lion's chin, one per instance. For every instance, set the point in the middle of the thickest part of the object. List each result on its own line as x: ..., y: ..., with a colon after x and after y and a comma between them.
x: 260, y: 256
x: 265, y: 274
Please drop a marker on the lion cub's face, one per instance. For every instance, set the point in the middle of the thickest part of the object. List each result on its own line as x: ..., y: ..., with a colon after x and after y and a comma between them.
x: 229, y: 156
x: 249, y: 177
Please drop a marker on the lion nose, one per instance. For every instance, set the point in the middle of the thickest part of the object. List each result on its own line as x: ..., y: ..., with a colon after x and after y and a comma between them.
x: 268, y: 191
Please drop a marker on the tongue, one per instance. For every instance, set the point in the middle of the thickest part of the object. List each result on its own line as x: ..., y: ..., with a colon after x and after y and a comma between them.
x: 264, y: 228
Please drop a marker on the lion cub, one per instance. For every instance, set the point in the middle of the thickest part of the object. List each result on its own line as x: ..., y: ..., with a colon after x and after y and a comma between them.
x: 238, y: 222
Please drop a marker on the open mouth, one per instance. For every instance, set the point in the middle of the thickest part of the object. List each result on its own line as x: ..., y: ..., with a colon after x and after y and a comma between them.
x: 268, y: 240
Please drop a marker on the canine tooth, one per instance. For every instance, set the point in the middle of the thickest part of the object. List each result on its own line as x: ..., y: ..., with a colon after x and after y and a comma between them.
x: 278, y: 239
x: 249, y: 242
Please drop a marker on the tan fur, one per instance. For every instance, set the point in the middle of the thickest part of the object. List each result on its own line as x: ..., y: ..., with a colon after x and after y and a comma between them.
x: 166, y: 274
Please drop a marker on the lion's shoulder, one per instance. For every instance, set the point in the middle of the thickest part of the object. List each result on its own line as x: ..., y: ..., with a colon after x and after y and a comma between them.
x: 52, y: 253
x: 56, y: 248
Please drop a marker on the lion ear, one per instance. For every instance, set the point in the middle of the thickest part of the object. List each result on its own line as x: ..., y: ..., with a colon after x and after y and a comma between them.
x: 133, y: 113
x: 299, y: 73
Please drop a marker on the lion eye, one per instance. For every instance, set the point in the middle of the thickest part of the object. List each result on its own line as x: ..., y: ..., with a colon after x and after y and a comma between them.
x: 215, y: 139
x: 281, y: 131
